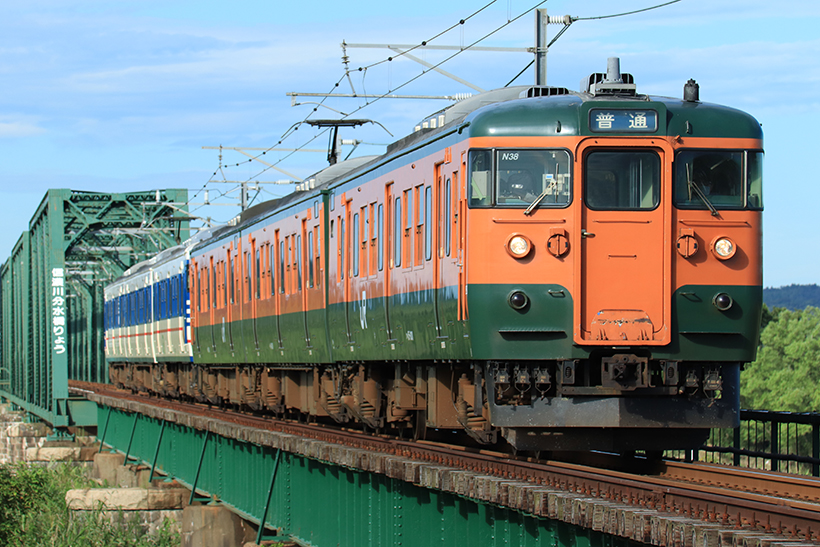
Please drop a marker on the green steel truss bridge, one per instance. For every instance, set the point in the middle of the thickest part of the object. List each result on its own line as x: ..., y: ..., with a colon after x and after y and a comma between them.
x: 52, y: 291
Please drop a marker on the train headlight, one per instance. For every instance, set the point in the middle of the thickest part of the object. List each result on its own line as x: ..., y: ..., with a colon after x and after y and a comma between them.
x: 722, y: 301
x: 519, y: 246
x: 518, y: 300
x: 724, y: 248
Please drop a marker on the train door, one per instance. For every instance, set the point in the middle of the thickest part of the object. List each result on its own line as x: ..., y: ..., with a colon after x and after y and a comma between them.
x: 278, y: 281
x: 447, y: 255
x: 250, y: 295
x: 314, y: 291
x: 460, y: 234
x: 257, y: 290
x: 357, y: 271
x: 447, y: 263
x: 145, y: 293
x: 624, y: 265
x: 346, y: 261
x: 212, y: 302
x: 388, y: 248
x: 234, y: 292
x: 302, y: 260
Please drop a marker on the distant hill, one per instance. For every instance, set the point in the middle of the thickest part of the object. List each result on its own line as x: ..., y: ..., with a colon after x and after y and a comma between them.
x: 794, y: 297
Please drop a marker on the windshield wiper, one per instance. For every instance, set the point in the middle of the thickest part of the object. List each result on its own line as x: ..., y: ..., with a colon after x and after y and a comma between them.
x: 538, y: 200
x: 693, y: 186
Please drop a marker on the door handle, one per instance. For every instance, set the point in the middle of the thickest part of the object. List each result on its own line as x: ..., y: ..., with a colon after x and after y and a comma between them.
x: 584, y: 233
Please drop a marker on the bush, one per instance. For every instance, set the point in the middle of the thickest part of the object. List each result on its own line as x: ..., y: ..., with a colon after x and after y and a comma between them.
x: 33, y: 513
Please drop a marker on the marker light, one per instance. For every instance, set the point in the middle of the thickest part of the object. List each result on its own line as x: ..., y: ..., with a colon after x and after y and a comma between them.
x: 722, y: 301
x: 518, y: 300
x: 519, y: 246
x: 724, y: 248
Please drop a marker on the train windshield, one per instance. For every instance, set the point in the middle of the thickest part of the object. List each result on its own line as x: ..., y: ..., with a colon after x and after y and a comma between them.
x: 718, y: 179
x: 520, y: 178
x: 624, y: 180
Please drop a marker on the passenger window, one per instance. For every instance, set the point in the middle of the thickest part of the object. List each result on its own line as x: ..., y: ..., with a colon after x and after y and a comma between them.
x: 365, y: 227
x: 281, y: 267
x: 428, y: 227
x: 380, y: 237
x: 408, y: 228
x: 318, y: 254
x: 258, y: 273
x: 248, y: 275
x: 272, y: 261
x: 355, y: 241
x: 397, y: 233
x: 299, y: 262
x: 342, y: 243
x: 447, y: 221
x: 310, y: 259
x: 480, y: 178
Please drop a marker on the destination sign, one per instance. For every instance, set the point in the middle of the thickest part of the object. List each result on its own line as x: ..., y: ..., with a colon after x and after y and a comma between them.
x: 623, y: 121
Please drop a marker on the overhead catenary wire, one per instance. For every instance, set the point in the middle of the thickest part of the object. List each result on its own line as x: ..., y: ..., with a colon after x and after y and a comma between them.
x: 346, y: 75
x: 573, y: 19
x: 626, y: 12
x: 363, y: 69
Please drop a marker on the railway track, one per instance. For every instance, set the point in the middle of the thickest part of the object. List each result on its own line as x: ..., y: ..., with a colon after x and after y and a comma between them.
x: 758, y: 501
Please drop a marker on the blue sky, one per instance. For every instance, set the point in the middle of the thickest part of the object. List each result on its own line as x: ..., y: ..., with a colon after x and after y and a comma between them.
x: 122, y: 96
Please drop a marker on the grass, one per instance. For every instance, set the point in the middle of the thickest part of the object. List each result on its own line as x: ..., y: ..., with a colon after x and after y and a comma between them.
x: 33, y: 513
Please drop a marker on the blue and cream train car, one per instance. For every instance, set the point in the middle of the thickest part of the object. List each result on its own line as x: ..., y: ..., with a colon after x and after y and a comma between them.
x: 147, y: 315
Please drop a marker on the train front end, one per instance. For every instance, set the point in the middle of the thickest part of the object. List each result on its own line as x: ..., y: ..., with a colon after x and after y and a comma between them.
x: 613, y: 265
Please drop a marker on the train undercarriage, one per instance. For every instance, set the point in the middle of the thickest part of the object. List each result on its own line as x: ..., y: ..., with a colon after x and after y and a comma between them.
x: 620, y: 403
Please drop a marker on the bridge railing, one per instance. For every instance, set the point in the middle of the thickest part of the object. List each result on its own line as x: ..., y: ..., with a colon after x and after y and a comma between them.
x: 777, y: 441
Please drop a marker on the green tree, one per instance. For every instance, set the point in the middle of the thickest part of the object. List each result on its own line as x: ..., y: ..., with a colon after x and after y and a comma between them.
x: 786, y: 373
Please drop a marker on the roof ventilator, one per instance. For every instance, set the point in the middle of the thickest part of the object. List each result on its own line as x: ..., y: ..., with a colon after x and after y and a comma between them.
x: 544, y: 91
x: 612, y: 83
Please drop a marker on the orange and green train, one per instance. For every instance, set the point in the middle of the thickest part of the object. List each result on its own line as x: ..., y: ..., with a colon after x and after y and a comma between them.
x: 561, y: 270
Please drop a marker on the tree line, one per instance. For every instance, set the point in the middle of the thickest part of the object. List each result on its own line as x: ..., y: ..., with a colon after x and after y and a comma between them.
x: 786, y: 374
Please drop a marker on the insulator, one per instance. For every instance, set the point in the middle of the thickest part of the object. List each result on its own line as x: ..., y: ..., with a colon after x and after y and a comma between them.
x: 559, y: 20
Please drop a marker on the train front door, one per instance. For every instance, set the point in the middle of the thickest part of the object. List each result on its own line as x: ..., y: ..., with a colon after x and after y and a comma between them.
x: 624, y: 276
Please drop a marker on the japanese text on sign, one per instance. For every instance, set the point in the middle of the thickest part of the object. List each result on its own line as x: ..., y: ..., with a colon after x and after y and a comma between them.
x: 58, y: 310
x: 623, y: 121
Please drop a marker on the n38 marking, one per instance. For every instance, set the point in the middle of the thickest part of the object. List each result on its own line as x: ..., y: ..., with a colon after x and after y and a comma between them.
x: 512, y: 156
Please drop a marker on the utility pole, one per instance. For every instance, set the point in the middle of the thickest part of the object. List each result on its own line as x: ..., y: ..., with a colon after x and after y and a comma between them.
x: 541, y: 22
x: 541, y: 45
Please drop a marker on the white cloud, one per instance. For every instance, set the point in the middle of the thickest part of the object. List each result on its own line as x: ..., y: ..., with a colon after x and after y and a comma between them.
x: 19, y: 129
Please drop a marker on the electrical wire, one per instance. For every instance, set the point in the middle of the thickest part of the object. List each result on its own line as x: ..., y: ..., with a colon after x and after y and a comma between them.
x: 573, y: 19
x: 291, y: 130
x: 364, y: 68
x: 347, y: 75
x: 626, y: 13
x: 424, y: 43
